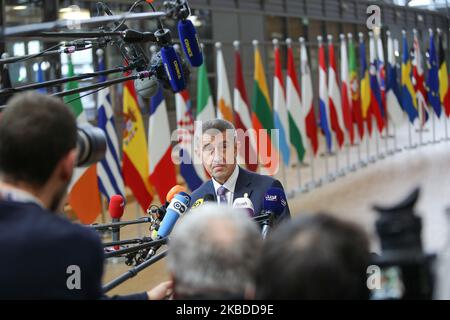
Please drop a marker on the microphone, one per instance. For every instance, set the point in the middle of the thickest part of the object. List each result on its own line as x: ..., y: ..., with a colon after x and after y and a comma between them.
x: 147, y: 87
x: 116, y: 207
x: 177, y: 207
x: 273, y: 206
x: 246, y: 204
x: 189, y: 41
x: 206, y: 198
x: 171, y: 61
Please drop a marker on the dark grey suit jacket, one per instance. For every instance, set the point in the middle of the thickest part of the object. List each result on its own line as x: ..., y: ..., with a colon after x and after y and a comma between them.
x: 254, y: 184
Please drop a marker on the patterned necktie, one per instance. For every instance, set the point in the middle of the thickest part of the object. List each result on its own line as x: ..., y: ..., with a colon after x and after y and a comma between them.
x: 221, y: 193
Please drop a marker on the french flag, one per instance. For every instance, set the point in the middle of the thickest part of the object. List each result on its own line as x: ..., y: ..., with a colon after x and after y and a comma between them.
x: 161, y: 167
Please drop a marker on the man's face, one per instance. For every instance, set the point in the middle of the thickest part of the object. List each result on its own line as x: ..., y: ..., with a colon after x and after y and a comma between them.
x: 219, y: 151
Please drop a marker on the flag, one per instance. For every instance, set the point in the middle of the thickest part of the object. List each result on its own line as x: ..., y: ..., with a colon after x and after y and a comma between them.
x: 323, y: 96
x: 376, y: 104
x: 393, y: 99
x: 365, y: 85
x: 335, y: 103
x: 190, y: 170
x: 135, y: 154
x: 419, y: 81
x: 242, y: 118
x: 205, y: 104
x: 224, y: 107
x: 262, y: 119
x: 443, y: 78
x: 381, y: 75
x: 280, y: 113
x: 355, y: 102
x: 297, y: 132
x: 162, y: 173
x: 433, y: 78
x: 408, y: 95
x: 109, y: 171
x: 40, y: 78
x: 307, y: 99
x: 83, y: 191
x: 345, y: 91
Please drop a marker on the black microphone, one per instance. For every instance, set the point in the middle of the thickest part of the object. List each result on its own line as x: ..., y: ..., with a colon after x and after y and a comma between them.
x: 274, y: 204
x: 206, y: 198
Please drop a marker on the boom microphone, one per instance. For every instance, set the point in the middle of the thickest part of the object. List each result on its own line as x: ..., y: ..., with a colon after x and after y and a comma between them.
x: 189, y: 41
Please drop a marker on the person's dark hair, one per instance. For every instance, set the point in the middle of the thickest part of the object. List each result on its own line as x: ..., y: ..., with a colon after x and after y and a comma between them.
x: 314, y: 257
x: 218, y: 125
x: 36, y: 132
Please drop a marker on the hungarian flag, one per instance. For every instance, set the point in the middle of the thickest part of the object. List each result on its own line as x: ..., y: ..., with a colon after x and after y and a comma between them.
x: 262, y: 118
x: 161, y: 167
x: 135, y: 153
x: 297, y: 132
x: 335, y: 103
x: 242, y: 118
x: 443, y: 77
x: 84, y: 194
x: 323, y: 96
x: 280, y: 114
x: 355, y: 102
x: 224, y: 107
x: 307, y: 99
x: 345, y: 91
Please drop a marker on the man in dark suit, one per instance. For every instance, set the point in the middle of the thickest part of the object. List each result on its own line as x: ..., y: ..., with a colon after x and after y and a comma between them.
x: 229, y: 181
x: 43, y: 255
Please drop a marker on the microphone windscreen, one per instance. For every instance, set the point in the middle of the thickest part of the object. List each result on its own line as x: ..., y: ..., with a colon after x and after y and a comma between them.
x: 189, y: 41
x: 245, y: 204
x: 147, y: 87
x: 116, y: 206
x: 275, y: 201
x: 172, y: 192
x: 173, y: 68
x: 177, y: 207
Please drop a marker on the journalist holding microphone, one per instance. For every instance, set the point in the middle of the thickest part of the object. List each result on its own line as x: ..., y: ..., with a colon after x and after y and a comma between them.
x: 229, y: 181
x: 44, y: 256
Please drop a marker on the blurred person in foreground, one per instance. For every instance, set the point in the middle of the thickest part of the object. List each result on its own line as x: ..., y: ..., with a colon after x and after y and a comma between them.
x: 213, y: 254
x: 43, y: 255
x: 314, y: 257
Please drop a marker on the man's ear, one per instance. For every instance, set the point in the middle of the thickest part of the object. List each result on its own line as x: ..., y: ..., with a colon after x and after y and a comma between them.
x: 68, y: 164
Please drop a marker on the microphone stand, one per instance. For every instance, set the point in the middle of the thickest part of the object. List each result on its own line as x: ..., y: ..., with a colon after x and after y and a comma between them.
x: 133, y: 272
x: 150, y: 244
x: 120, y: 224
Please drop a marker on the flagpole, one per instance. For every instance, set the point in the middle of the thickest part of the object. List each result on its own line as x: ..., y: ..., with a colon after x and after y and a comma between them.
x: 313, y: 182
x: 446, y: 127
x: 433, y: 123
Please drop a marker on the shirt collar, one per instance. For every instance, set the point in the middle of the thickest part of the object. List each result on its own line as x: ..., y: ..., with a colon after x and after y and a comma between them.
x: 230, y: 184
x: 11, y: 193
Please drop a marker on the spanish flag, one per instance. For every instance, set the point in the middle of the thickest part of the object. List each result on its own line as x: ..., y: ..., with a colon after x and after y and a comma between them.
x: 365, y: 85
x: 135, y: 156
x: 443, y: 78
x: 262, y: 118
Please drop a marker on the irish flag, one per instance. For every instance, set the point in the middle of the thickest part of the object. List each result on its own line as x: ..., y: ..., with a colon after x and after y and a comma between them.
x: 84, y: 195
x: 205, y: 104
x: 135, y: 155
x: 262, y: 117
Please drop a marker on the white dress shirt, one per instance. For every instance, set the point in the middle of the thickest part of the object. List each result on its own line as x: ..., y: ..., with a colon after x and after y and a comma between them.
x: 230, y: 184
